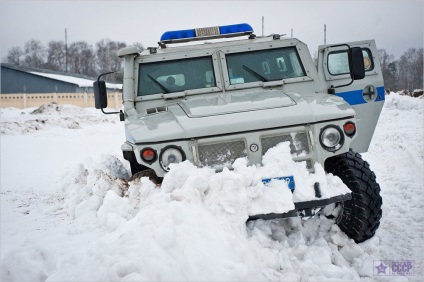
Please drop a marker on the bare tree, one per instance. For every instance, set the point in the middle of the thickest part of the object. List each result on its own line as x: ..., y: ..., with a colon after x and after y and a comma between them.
x: 411, y: 70
x: 385, y: 58
x: 389, y: 70
x: 34, y: 54
x: 81, y: 58
x: 138, y: 45
x: 107, y: 57
x: 56, y: 56
x: 15, y: 56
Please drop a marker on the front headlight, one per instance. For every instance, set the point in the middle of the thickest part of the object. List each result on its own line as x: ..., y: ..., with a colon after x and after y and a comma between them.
x: 171, y: 155
x: 331, y: 138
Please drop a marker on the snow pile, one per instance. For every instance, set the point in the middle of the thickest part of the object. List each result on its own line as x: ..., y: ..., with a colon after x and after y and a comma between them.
x: 28, y: 263
x: 50, y: 116
x: 194, y: 225
x: 404, y: 103
x: 86, y: 189
x: 240, y: 192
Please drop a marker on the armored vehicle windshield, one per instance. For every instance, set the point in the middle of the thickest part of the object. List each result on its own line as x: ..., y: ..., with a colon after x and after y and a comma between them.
x: 175, y: 76
x: 264, y: 65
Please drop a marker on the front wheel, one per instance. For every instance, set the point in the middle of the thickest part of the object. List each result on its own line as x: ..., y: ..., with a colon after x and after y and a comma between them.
x: 359, y: 217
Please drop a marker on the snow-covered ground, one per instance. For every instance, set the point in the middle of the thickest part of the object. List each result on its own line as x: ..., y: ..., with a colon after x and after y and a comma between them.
x: 68, y: 212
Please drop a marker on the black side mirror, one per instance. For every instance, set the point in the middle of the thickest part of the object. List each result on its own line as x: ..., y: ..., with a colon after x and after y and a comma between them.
x: 100, y: 94
x: 356, y: 63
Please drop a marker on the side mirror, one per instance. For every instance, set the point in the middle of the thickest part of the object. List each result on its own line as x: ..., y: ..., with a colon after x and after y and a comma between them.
x: 100, y: 94
x: 356, y: 63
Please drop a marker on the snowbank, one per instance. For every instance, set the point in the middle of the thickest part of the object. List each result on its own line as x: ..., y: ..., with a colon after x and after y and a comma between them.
x: 81, y: 82
x: 48, y: 116
x: 194, y: 225
x: 404, y: 103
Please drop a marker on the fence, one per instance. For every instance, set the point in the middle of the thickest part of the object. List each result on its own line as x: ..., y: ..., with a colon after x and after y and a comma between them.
x: 84, y: 100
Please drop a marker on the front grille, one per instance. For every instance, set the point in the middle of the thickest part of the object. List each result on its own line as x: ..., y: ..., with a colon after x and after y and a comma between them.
x: 298, y: 142
x: 221, y: 153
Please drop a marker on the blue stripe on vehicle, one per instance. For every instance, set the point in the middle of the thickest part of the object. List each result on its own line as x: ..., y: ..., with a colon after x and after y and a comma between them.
x: 355, y: 97
x: 380, y: 94
x: 352, y: 97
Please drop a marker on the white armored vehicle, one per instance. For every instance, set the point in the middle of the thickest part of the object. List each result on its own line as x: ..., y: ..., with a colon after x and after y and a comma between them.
x: 214, y: 102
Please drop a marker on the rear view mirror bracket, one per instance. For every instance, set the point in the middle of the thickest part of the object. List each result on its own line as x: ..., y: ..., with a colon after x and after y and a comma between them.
x: 356, y: 65
x: 100, y: 95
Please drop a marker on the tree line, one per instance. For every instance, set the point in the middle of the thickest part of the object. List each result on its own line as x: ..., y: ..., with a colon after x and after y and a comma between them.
x: 79, y: 57
x: 406, y: 73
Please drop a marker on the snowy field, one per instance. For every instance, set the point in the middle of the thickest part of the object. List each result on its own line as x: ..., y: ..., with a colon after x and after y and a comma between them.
x: 68, y: 212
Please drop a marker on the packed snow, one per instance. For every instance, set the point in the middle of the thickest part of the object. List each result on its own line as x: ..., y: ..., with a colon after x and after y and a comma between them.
x: 81, y: 82
x: 70, y: 213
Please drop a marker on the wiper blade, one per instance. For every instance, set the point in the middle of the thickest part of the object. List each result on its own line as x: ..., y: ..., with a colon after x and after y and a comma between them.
x: 166, y: 90
x: 254, y: 73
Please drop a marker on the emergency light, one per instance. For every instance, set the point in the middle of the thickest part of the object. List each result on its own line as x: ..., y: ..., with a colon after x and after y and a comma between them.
x: 225, y: 31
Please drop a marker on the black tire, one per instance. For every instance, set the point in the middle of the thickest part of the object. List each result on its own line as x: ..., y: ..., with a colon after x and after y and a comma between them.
x: 150, y: 173
x: 136, y: 167
x: 359, y: 217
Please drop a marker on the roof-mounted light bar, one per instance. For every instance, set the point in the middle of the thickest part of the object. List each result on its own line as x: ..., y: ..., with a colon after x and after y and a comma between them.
x: 226, y: 31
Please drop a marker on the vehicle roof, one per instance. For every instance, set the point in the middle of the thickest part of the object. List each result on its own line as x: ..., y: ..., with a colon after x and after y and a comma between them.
x: 191, y: 46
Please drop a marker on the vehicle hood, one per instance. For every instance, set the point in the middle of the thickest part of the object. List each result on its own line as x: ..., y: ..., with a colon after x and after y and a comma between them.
x: 228, y: 103
x: 227, y: 113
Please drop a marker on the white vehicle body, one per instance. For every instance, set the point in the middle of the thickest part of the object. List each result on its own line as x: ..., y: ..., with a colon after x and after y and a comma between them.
x: 213, y: 103
x: 250, y: 113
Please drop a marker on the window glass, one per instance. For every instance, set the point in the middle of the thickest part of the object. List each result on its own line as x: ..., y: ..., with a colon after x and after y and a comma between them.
x: 338, y: 62
x: 175, y: 76
x: 264, y: 65
x: 368, y: 62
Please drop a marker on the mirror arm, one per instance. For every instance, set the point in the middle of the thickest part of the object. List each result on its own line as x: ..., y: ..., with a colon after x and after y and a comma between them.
x: 343, y: 84
x: 98, y: 80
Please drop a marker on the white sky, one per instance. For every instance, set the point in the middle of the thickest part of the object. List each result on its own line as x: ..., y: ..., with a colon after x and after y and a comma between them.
x: 395, y: 25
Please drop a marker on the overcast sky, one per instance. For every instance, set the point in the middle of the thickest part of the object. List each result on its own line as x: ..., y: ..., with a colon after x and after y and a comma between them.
x: 395, y: 25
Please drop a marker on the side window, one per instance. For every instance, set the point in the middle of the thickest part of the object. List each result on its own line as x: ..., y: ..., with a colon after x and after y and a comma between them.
x: 338, y: 62
x: 368, y: 61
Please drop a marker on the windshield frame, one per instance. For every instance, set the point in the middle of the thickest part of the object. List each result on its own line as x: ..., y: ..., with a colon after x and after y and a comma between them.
x: 159, y: 58
x: 246, y: 49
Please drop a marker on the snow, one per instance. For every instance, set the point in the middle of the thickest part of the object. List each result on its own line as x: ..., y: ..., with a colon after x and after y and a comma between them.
x: 69, y: 213
x: 81, y: 82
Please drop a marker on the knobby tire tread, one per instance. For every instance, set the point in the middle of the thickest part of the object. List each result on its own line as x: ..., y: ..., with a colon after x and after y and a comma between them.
x: 360, y: 216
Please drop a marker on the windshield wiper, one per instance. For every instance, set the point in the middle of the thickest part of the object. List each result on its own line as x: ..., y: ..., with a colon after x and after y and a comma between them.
x: 254, y: 73
x: 166, y: 90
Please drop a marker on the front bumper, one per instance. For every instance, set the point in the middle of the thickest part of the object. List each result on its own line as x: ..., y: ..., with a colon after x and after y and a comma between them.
x: 304, y: 208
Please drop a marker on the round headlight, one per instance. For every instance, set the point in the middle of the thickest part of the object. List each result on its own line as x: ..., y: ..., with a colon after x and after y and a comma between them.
x: 170, y: 155
x: 331, y: 138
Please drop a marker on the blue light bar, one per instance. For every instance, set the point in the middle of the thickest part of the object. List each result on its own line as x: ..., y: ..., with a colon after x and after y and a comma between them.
x: 235, y: 28
x: 187, y: 35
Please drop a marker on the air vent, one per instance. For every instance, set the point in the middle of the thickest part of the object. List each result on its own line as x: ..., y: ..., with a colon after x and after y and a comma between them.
x: 156, y: 110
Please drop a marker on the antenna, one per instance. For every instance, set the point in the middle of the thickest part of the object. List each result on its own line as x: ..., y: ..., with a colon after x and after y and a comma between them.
x: 291, y: 32
x: 263, y: 25
x: 325, y: 34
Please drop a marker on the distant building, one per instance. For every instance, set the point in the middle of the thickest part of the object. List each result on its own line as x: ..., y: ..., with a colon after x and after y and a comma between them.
x: 18, y: 79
